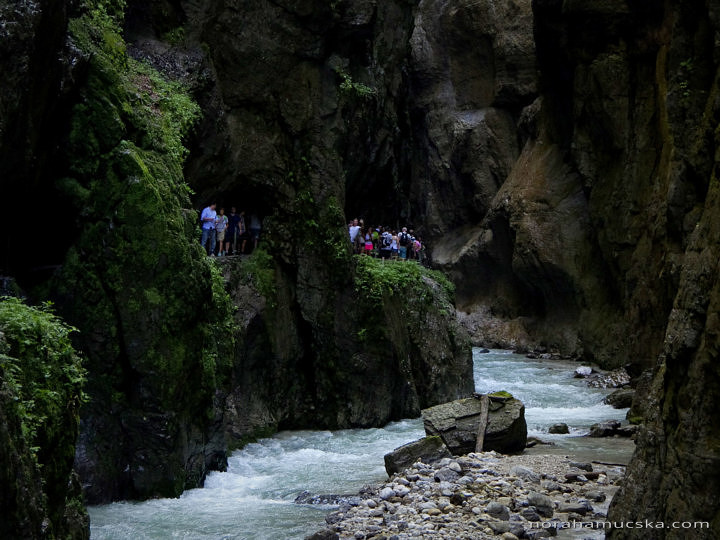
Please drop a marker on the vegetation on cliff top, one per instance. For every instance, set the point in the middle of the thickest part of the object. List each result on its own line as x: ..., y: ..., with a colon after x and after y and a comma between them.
x: 381, y: 286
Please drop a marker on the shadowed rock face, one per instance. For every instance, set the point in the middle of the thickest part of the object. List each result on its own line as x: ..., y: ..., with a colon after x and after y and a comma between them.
x: 630, y: 97
x: 394, y: 358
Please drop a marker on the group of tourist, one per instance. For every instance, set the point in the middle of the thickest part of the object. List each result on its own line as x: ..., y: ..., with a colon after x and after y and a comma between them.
x: 385, y: 242
x: 227, y: 234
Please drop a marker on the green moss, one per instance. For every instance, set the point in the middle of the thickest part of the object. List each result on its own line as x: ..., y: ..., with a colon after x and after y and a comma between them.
x: 39, y: 363
x: 353, y: 89
x: 259, y: 270
x: 44, y: 375
x: 501, y: 394
x: 156, y: 320
x: 376, y: 279
x: 392, y: 293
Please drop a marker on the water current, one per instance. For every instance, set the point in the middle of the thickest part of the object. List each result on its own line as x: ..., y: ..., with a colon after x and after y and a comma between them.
x: 254, y: 498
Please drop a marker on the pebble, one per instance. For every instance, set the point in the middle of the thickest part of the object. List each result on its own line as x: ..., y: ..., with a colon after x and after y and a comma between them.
x: 499, y: 511
x: 479, y: 496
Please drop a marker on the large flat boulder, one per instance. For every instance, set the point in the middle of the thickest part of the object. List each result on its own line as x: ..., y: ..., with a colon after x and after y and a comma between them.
x: 457, y: 422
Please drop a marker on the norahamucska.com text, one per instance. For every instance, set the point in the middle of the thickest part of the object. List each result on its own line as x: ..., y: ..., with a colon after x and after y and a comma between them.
x: 647, y: 524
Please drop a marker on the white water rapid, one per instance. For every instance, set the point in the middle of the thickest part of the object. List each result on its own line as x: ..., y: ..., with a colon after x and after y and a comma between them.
x: 254, y: 498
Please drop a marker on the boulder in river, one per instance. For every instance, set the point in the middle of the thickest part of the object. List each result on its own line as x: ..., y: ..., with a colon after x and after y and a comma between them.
x: 612, y: 428
x: 559, y: 429
x: 621, y: 398
x: 608, y: 428
x: 616, y: 378
x: 583, y: 371
x: 428, y: 450
x: 457, y: 422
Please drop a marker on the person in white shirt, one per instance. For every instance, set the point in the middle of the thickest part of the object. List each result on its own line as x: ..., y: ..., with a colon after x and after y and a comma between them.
x: 354, y: 229
x: 207, y: 240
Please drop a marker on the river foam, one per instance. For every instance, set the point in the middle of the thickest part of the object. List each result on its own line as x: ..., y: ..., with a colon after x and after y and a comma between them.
x: 254, y: 498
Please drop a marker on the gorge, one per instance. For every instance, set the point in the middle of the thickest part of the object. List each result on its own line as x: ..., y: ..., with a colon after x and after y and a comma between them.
x: 557, y: 156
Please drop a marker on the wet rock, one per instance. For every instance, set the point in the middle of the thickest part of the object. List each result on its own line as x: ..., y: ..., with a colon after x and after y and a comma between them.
x: 583, y: 372
x: 559, y: 429
x: 428, y: 450
x: 608, y: 428
x: 517, y: 529
x: 334, y: 517
x: 621, y: 398
x: 627, y: 431
x: 446, y: 474
x: 550, y: 485
x: 499, y: 527
x: 542, y: 503
x: 525, y: 473
x: 579, y: 507
x: 596, y: 495
x: 325, y: 534
x: 576, y: 477
x: 457, y: 424
x: 533, y: 534
x: 582, y: 465
x: 612, y: 379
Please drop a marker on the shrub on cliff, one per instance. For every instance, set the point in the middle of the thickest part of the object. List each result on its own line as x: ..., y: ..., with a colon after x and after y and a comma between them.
x: 41, y: 380
x: 405, y: 314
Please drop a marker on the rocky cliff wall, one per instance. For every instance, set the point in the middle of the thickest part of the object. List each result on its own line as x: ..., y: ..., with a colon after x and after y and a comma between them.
x: 399, y: 349
x: 630, y: 103
x: 559, y: 157
x: 285, y: 90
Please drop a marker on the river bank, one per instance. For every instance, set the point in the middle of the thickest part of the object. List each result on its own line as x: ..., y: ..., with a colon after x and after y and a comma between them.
x: 558, y: 489
x: 482, y: 495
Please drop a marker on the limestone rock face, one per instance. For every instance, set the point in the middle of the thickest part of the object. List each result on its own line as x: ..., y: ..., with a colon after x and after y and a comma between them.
x: 456, y: 423
x: 558, y: 157
x: 636, y: 123
x: 472, y: 72
x: 390, y: 364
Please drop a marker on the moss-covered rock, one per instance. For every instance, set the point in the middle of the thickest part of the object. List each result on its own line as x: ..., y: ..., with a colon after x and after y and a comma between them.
x: 41, y: 380
x: 155, y: 317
